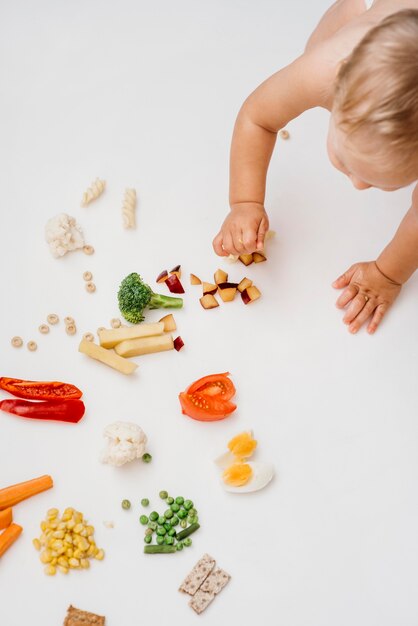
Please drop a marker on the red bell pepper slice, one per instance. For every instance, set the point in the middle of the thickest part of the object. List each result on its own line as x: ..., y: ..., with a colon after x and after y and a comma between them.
x: 58, y: 410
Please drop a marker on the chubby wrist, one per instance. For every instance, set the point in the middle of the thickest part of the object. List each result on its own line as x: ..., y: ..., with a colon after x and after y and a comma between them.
x: 246, y: 206
x: 393, y: 275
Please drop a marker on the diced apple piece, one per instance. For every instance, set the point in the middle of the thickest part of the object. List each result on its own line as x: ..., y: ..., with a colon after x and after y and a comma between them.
x: 250, y: 294
x: 209, y: 301
x: 177, y: 271
x: 169, y: 323
x: 162, y: 277
x: 244, y: 284
x: 259, y: 257
x: 194, y: 280
x: 178, y: 343
x: 108, y: 357
x: 209, y: 288
x: 247, y: 259
x: 144, y: 345
x: 109, y: 337
x: 227, y: 291
x: 174, y: 284
x: 220, y: 277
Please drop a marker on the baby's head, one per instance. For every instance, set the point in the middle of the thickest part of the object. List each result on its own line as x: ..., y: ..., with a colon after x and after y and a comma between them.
x: 373, y: 135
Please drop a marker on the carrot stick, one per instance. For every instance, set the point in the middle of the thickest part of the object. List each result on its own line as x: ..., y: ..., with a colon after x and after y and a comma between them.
x: 9, y: 496
x: 9, y: 536
x: 6, y: 517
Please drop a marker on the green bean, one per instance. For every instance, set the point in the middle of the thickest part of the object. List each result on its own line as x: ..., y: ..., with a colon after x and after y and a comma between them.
x: 179, y: 500
x: 126, y: 504
x: 143, y: 519
x: 188, y: 504
x: 153, y: 516
x: 163, y: 495
x: 168, y: 513
x: 187, y: 542
x: 147, y: 458
x: 188, y: 531
x: 148, y: 538
x: 163, y: 549
x: 145, y: 502
x: 169, y: 500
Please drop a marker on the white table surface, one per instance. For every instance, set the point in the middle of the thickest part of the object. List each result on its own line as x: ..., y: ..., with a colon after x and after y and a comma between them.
x: 145, y: 95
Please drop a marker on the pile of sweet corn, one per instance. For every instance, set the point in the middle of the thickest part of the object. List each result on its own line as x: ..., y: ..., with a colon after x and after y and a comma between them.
x: 67, y: 542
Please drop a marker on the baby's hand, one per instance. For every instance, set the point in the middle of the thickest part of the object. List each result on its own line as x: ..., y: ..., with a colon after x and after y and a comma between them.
x: 368, y: 292
x: 243, y: 231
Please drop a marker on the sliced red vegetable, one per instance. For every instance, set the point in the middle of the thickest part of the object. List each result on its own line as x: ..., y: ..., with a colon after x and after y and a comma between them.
x: 58, y: 410
x: 205, y: 408
x: 213, y: 385
x: 208, y: 399
x: 174, y: 284
x: 178, y: 343
x: 39, y: 390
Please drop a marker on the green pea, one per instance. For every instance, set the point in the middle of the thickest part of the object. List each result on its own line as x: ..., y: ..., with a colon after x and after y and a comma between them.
x: 169, y: 541
x: 168, y: 513
x: 187, y: 542
x: 149, y: 532
x: 169, y: 500
x: 143, y: 519
x: 126, y: 504
x: 172, y: 532
x: 175, y: 507
x: 179, y: 545
x: 161, y: 530
x: 183, y: 523
x: 192, y: 512
x: 179, y: 500
x: 153, y: 516
x: 160, y: 540
x: 167, y: 526
x: 182, y: 514
x: 161, y: 520
x: 174, y: 520
x: 147, y: 458
x: 145, y: 502
x: 163, y: 495
x: 148, y: 538
x: 152, y: 525
x: 188, y: 504
x: 192, y: 519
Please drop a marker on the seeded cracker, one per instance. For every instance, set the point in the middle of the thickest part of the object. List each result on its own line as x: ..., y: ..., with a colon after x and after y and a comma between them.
x: 75, y: 617
x: 198, y: 575
x: 216, y: 581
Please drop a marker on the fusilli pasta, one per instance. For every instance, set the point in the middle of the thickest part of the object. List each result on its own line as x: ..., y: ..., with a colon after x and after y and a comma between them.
x: 94, y: 191
x: 128, y: 208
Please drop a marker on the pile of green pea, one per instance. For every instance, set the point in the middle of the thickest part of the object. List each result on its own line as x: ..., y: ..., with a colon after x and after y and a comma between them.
x: 173, y: 528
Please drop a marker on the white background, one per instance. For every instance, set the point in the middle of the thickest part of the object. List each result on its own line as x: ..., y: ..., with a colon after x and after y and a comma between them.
x: 145, y: 95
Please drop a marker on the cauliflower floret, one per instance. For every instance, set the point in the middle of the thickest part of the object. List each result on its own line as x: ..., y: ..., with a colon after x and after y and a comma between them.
x: 63, y: 234
x: 125, y: 442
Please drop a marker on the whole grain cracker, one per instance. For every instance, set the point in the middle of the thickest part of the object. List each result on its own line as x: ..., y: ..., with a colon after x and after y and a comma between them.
x: 76, y: 617
x: 216, y: 581
x: 201, y: 600
x: 199, y: 573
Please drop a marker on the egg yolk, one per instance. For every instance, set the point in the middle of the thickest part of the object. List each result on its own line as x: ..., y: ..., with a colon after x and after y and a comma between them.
x: 237, y: 474
x: 242, y: 445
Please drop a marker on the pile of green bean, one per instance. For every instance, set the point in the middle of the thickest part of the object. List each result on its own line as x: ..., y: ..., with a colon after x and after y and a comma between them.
x: 180, y: 513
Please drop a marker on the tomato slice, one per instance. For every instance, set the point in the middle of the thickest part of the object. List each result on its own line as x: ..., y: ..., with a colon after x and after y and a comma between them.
x: 205, y: 408
x: 217, y: 385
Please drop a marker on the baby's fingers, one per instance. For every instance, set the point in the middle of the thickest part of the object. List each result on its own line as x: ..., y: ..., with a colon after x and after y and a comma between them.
x: 377, y: 318
x: 262, y: 230
x: 346, y: 296
x: 217, y: 245
x: 344, y: 279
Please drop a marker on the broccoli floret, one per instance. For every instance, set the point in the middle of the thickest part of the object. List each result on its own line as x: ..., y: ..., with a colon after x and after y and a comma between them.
x: 134, y: 296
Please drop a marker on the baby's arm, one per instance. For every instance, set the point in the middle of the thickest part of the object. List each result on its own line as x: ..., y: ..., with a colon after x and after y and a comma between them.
x: 371, y: 288
x: 283, y: 97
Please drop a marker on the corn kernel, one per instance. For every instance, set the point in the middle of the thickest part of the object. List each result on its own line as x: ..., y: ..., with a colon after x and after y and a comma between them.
x: 92, y: 550
x: 74, y: 562
x: 90, y: 530
x: 78, y: 554
x: 53, y: 525
x: 50, y: 570
x: 68, y: 538
x: 54, y: 561
x: 78, y: 517
x: 62, y: 525
x: 52, y: 513
x: 83, y: 533
x: 85, y: 563
x: 99, y: 555
x: 83, y: 545
x: 59, y: 534
x: 63, y: 561
x: 62, y: 569
x: 69, y: 552
x: 44, y: 526
x: 78, y: 528
x: 36, y: 544
x: 56, y: 544
x: 70, y: 524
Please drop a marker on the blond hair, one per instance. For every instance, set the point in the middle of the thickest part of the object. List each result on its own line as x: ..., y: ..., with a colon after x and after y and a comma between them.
x: 377, y: 89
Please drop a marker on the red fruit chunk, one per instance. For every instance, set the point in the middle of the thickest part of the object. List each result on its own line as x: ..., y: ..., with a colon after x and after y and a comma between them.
x: 178, y: 343
x: 174, y: 284
x: 162, y: 277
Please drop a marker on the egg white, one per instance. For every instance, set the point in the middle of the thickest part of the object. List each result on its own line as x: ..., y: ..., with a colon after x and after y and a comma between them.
x: 261, y: 476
